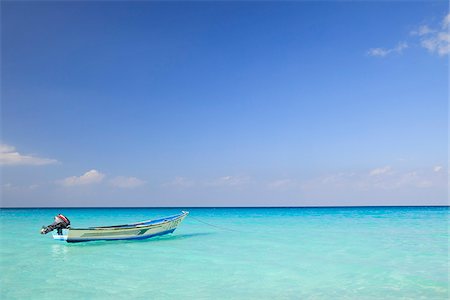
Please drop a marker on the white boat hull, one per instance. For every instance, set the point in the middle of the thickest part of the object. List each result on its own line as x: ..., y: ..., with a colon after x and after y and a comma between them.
x: 135, y: 231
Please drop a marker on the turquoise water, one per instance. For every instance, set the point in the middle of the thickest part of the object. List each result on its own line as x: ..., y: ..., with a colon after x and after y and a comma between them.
x: 283, y: 253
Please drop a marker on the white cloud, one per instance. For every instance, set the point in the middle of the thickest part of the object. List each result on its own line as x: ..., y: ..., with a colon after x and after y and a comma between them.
x: 382, y: 52
x: 281, y: 184
x: 9, y: 156
x: 229, y: 181
x: 180, y: 182
x: 422, y: 30
x: 224, y: 181
x: 7, y: 186
x: 126, y: 182
x: 90, y: 177
x: 378, y: 179
x: 329, y: 182
x: 380, y: 171
x: 370, y: 182
x: 413, y: 179
x: 446, y: 21
x: 12, y: 187
x: 437, y: 168
x: 436, y: 41
x: 387, y: 179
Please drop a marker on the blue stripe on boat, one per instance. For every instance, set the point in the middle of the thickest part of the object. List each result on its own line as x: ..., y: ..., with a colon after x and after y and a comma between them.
x: 128, y: 238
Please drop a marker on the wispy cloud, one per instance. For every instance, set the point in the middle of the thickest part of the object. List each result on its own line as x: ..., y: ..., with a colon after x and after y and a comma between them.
x: 7, y: 186
x: 180, y: 182
x: 126, y: 182
x: 378, y: 179
x: 386, y: 178
x: 9, y: 156
x: 281, y: 184
x: 380, y: 171
x: 446, y: 21
x: 437, y: 168
x: 438, y: 43
x: 11, y: 187
x: 90, y: 177
x: 422, y: 30
x: 382, y: 52
x: 229, y: 181
x: 224, y: 181
x: 435, y: 39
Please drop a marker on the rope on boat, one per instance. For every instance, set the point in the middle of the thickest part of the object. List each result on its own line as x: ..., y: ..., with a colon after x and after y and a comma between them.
x: 212, y: 225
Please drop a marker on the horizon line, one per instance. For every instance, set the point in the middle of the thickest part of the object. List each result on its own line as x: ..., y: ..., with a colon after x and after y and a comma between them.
x: 219, y: 207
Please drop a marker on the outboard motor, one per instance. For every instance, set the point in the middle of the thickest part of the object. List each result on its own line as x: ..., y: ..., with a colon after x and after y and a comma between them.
x: 60, y: 223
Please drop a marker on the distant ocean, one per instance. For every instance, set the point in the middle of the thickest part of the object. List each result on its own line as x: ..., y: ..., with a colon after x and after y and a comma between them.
x: 251, y: 253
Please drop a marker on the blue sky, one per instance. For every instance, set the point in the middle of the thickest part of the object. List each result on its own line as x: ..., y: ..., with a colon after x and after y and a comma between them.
x: 224, y: 103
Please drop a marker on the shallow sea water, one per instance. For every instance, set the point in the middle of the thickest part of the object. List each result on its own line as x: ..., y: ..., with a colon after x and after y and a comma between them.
x: 252, y: 253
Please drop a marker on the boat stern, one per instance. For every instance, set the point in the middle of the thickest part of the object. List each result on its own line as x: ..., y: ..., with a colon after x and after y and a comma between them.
x: 61, y: 237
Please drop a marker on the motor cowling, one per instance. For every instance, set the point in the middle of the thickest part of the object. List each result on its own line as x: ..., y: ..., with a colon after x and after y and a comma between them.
x: 59, y: 224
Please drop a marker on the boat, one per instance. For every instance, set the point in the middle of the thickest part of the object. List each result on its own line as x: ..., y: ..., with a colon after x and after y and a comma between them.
x: 134, y: 231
